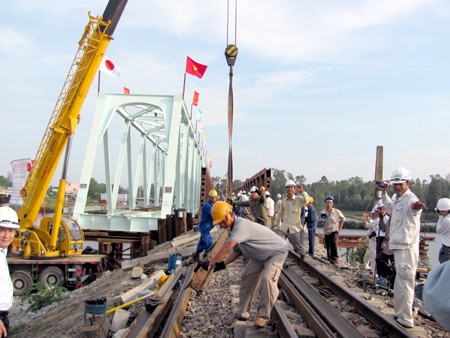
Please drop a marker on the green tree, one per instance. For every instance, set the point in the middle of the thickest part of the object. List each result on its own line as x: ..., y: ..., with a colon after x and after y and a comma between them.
x: 4, y: 181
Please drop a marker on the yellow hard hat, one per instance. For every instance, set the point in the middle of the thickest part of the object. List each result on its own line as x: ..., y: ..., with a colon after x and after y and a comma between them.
x: 262, y: 188
x: 311, y: 199
x: 219, y: 210
x: 213, y: 193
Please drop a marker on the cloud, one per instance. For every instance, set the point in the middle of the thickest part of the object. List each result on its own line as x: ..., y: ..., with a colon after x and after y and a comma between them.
x: 12, y: 42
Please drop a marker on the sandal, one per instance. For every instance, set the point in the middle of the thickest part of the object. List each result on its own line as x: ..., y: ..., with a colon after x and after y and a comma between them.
x: 235, y: 318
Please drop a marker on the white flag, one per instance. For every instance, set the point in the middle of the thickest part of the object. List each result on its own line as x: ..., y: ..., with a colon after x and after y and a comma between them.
x: 109, y: 67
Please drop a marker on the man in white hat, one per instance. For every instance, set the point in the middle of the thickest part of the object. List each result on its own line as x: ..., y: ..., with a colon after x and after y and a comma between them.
x: 270, y: 208
x: 8, y: 225
x: 405, y: 210
x: 288, y: 218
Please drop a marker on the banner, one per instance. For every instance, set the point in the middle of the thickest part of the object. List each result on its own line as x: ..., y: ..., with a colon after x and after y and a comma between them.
x: 21, y: 168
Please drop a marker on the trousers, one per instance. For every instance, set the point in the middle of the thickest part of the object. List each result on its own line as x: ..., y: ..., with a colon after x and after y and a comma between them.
x: 260, y: 275
x: 406, y: 262
x: 331, y: 245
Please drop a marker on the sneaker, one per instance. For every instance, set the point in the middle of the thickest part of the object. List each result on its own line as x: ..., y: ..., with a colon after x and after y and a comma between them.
x: 261, y: 322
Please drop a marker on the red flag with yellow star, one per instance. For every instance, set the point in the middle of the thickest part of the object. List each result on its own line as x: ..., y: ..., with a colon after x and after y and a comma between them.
x: 195, y: 68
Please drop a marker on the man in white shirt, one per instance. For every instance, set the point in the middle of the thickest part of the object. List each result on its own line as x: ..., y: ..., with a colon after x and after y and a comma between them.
x: 404, y: 233
x: 270, y: 208
x: 288, y: 218
x: 8, y: 225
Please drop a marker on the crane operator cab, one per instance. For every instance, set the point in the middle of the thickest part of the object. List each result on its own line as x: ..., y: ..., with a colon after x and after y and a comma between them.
x: 34, y: 243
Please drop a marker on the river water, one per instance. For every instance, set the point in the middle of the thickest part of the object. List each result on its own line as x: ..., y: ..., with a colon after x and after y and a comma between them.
x: 433, y: 246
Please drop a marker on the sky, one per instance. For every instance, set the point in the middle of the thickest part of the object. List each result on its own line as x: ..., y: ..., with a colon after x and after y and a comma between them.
x: 318, y: 85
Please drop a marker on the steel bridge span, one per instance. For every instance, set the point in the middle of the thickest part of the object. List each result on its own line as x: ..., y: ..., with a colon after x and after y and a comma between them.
x: 150, y: 146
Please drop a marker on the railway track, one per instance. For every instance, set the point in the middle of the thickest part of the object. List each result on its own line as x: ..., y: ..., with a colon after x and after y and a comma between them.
x: 326, y: 308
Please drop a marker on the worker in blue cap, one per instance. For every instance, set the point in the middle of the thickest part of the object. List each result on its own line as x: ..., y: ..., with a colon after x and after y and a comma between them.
x: 332, y: 220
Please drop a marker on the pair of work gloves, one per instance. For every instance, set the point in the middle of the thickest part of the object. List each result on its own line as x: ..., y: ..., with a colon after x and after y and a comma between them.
x: 205, y: 266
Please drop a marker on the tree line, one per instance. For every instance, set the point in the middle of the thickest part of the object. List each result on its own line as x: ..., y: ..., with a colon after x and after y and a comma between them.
x: 353, y: 194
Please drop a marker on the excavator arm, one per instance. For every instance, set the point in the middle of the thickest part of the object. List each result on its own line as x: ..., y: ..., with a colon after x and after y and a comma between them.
x: 62, y: 125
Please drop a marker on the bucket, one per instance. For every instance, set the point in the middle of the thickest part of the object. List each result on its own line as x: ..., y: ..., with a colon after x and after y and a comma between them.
x: 93, y: 307
x: 174, y: 262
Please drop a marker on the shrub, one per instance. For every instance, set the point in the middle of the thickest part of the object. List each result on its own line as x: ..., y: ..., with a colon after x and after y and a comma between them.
x: 42, y: 295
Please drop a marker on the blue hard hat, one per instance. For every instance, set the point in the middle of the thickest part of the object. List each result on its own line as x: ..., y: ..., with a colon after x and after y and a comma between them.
x: 329, y: 198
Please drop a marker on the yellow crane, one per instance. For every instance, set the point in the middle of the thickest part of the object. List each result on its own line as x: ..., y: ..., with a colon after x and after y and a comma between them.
x: 61, y: 236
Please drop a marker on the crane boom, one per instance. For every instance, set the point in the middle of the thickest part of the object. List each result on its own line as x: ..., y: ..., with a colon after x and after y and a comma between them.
x: 62, y: 125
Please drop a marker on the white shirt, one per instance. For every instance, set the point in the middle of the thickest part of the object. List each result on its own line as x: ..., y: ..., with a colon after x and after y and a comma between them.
x: 270, y: 206
x: 443, y: 229
x: 376, y: 226
x: 6, y: 288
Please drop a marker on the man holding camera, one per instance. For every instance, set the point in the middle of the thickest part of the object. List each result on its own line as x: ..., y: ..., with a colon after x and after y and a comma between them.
x: 405, y: 210
x: 332, y: 220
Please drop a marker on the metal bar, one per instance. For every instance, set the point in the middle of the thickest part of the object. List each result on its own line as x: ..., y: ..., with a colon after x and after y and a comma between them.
x: 376, y: 317
x: 282, y: 323
x: 331, y: 315
x: 311, y: 318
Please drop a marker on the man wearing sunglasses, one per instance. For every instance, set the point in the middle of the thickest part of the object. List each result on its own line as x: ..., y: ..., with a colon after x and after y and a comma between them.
x: 8, y: 225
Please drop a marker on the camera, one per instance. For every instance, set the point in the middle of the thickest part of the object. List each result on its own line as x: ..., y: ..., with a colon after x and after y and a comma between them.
x: 372, y: 234
x: 380, y: 184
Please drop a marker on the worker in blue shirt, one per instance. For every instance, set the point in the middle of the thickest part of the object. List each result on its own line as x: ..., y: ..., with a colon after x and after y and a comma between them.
x: 205, y: 243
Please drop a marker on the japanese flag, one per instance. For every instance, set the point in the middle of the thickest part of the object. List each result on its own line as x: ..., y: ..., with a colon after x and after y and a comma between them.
x: 109, y: 67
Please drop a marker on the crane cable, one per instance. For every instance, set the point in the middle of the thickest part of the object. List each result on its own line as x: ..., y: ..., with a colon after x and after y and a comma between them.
x: 231, y: 52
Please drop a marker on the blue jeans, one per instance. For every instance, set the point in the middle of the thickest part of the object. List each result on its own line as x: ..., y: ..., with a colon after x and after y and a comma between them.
x: 311, y: 241
x: 205, y: 242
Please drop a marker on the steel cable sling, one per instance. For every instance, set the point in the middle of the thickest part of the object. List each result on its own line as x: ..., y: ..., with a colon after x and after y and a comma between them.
x: 231, y: 52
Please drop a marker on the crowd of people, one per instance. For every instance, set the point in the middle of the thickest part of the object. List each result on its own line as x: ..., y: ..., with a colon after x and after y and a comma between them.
x: 262, y: 229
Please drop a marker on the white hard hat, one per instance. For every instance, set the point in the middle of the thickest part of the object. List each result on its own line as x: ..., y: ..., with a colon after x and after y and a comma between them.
x: 267, y: 193
x: 400, y: 175
x: 278, y: 196
x: 8, y: 218
x: 244, y: 192
x: 239, y: 194
x: 253, y: 189
x: 289, y: 183
x: 443, y: 204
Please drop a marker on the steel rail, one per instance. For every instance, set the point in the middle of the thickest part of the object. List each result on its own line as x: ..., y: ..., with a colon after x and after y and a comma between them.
x: 147, y: 322
x: 385, y: 324
x: 329, y: 313
x: 311, y: 318
x: 282, y: 323
x: 172, y: 326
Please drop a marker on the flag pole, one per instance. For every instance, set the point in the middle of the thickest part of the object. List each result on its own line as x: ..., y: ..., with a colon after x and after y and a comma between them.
x: 190, y: 115
x: 98, y: 86
x: 184, y: 85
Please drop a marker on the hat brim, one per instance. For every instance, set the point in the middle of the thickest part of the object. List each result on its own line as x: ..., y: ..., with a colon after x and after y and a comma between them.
x: 9, y: 225
x: 398, y: 182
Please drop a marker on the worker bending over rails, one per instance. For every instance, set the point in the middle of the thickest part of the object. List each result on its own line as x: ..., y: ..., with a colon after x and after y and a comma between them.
x: 266, y: 253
